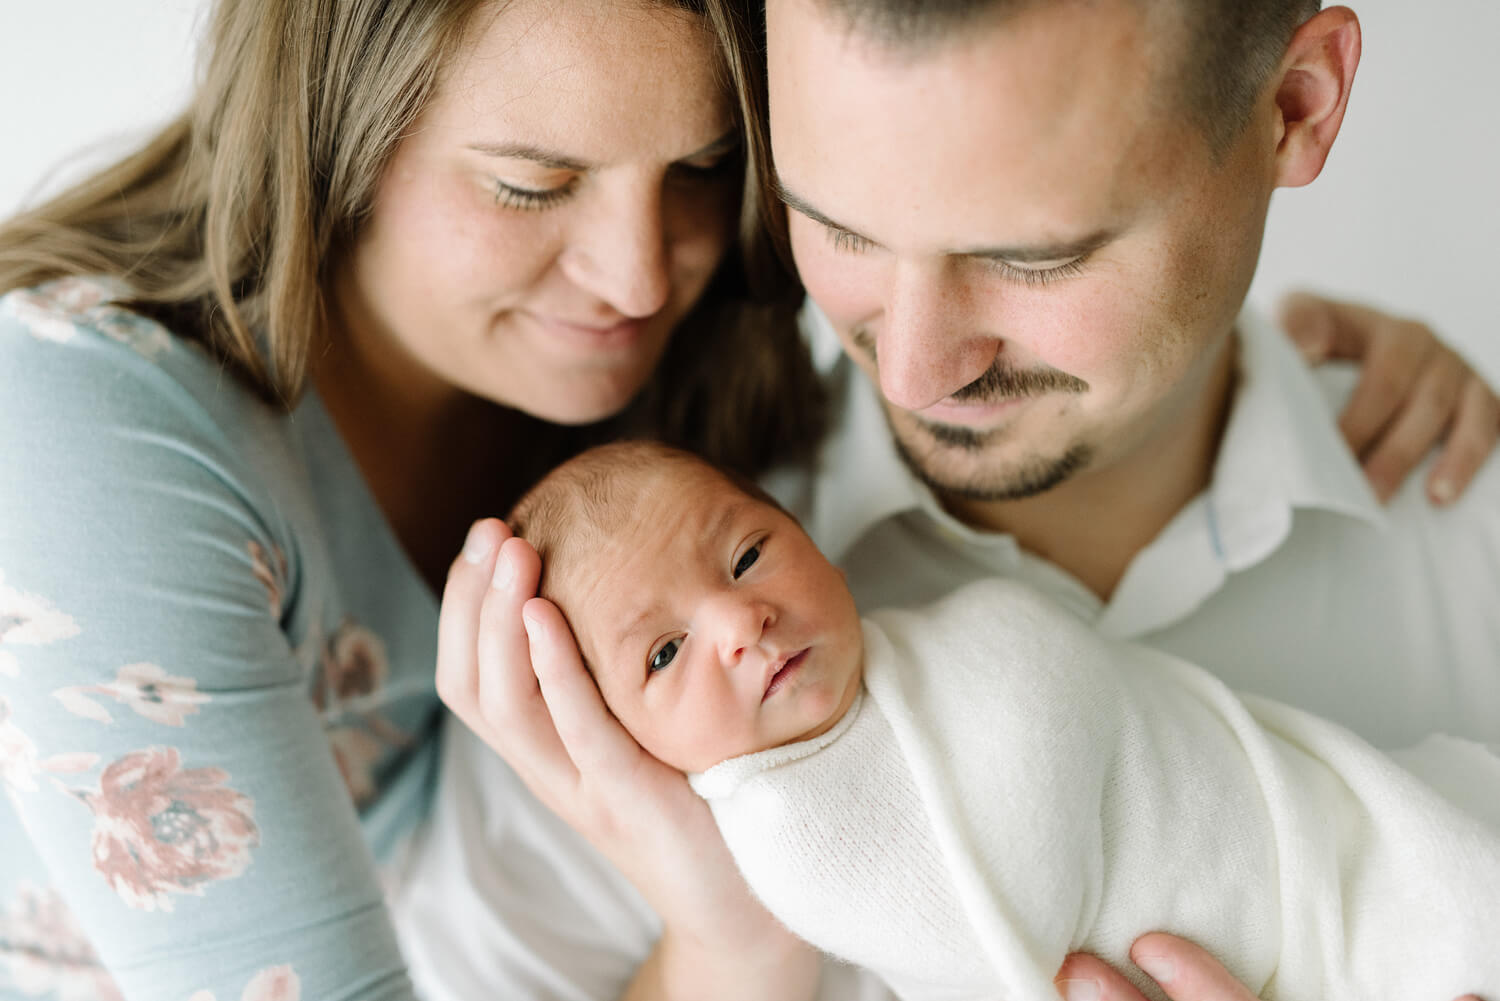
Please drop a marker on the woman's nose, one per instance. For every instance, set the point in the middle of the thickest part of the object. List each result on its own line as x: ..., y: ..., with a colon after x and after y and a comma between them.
x: 621, y: 254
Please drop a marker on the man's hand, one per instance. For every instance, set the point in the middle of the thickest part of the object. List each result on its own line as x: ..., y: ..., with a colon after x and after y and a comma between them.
x: 1413, y: 393
x: 1184, y: 971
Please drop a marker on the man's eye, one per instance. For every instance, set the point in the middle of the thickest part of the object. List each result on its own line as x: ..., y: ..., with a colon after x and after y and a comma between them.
x: 747, y: 560
x: 664, y: 656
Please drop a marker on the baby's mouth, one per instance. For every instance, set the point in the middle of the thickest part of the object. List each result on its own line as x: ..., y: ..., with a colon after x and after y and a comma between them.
x: 784, y: 672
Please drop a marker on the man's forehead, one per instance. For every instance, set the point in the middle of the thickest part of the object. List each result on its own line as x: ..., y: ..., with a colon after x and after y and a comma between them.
x: 1042, y: 120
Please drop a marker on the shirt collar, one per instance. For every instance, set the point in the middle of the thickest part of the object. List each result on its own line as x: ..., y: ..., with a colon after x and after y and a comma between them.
x: 1281, y: 451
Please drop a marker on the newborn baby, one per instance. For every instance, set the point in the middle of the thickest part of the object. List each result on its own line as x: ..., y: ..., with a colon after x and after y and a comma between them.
x: 958, y: 796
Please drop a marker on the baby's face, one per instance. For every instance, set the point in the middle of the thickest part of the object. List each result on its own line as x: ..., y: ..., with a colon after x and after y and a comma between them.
x: 714, y: 625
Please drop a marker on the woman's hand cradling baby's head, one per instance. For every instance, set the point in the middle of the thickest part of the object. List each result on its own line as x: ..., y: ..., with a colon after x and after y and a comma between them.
x: 509, y: 668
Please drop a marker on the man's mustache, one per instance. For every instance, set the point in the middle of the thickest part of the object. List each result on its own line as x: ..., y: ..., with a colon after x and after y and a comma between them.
x: 996, y: 383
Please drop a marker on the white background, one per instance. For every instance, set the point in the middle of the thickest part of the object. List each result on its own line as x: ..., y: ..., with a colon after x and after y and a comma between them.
x: 1406, y: 214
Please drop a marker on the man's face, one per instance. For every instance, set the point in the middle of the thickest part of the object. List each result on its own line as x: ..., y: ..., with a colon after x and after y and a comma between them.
x: 1017, y: 231
x: 714, y: 626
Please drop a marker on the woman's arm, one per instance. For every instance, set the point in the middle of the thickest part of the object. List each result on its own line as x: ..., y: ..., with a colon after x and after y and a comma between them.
x: 179, y: 820
x: 509, y: 668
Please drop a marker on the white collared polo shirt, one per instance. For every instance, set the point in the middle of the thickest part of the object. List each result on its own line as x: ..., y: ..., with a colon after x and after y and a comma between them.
x: 1285, y: 577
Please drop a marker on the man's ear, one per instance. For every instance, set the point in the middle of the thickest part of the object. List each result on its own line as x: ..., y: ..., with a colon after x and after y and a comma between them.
x: 1312, y: 92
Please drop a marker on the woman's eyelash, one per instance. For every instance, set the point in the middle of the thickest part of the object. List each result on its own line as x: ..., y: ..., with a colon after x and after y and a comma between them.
x: 513, y: 197
x: 847, y: 242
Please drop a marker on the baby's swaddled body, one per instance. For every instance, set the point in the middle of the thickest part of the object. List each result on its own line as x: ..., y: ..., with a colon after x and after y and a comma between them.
x: 1010, y: 788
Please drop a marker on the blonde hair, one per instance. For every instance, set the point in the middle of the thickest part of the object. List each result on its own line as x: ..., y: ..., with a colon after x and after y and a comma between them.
x: 225, y: 226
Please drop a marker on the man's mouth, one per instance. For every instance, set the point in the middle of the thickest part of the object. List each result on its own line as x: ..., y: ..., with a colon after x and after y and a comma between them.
x: 784, y: 672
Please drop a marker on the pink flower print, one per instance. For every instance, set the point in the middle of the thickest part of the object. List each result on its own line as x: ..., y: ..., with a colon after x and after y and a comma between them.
x: 47, y: 954
x: 55, y: 310
x: 18, y: 758
x: 146, y: 688
x: 47, y: 311
x: 272, y: 579
x: 356, y: 753
x: 27, y: 620
x: 354, y: 664
x: 276, y: 983
x: 161, y: 829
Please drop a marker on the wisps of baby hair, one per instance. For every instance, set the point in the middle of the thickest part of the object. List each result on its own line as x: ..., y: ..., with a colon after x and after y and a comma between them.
x: 574, y: 510
x: 589, y: 499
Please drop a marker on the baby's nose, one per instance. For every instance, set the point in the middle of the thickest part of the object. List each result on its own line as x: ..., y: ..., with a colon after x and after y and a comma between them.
x: 742, y: 624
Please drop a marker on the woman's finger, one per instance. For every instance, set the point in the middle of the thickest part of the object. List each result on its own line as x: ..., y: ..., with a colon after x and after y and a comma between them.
x: 1397, y: 358
x: 513, y: 717
x: 1471, y: 439
x: 596, y: 742
x: 1419, y: 424
x: 457, y: 674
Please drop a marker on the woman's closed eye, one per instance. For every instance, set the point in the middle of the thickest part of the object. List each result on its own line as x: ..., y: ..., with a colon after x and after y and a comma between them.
x: 514, y: 196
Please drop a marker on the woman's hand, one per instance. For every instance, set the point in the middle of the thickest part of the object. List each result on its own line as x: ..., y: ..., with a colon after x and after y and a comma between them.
x: 1413, y: 393
x: 508, y: 666
x: 1184, y: 971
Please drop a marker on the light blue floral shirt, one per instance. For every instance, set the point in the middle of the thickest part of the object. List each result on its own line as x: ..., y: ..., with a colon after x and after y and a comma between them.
x: 216, y: 700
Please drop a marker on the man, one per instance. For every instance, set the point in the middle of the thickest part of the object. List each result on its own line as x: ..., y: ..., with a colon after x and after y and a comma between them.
x: 1032, y: 226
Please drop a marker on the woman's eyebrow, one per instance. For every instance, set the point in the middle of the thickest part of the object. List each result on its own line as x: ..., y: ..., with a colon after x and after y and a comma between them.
x: 556, y: 160
x: 724, y: 144
x: 551, y: 159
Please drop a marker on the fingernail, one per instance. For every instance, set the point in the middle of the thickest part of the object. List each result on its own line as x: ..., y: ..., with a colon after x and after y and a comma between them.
x: 1158, y: 968
x: 503, y: 571
x: 477, y: 545
x: 1079, y: 990
x: 533, y: 626
x: 1443, y: 491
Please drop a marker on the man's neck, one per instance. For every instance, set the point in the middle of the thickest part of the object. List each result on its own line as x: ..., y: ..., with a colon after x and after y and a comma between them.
x: 1093, y: 524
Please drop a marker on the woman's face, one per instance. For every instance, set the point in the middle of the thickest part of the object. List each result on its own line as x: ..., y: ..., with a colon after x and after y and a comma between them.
x: 554, y: 212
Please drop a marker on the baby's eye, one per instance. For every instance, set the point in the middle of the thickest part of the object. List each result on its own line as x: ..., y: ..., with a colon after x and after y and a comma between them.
x: 747, y: 560
x: 664, y: 656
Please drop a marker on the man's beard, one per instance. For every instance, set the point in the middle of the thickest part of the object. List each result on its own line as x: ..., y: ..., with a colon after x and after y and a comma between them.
x: 1025, y: 477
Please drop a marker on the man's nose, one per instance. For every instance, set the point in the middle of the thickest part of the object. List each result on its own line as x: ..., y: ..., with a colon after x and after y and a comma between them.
x: 930, y: 343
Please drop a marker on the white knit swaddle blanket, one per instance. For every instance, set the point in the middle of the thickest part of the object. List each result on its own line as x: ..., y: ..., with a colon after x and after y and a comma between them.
x: 1011, y: 787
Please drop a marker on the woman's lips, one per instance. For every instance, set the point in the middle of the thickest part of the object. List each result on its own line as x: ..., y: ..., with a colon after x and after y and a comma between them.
x: 623, y: 334
x: 788, y: 668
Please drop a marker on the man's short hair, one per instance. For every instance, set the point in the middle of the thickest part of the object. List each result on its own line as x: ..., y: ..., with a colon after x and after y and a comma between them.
x: 1233, y: 45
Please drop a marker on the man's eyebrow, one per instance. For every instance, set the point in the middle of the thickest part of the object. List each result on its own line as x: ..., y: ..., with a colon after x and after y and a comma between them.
x: 557, y: 160
x: 797, y: 203
x: 1062, y: 251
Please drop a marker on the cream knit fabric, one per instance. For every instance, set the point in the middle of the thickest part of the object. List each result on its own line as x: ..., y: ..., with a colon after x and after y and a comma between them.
x: 1010, y: 787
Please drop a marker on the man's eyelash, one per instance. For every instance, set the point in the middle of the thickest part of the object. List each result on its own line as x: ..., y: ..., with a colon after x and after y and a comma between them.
x: 851, y: 243
x: 527, y: 199
x: 1037, y: 276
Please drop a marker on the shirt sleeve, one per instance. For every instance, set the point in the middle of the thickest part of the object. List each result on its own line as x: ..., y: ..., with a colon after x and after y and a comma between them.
x: 182, y: 810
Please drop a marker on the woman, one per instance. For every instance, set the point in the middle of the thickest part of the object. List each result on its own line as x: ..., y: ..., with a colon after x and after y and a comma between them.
x: 258, y: 380
x: 394, y: 262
